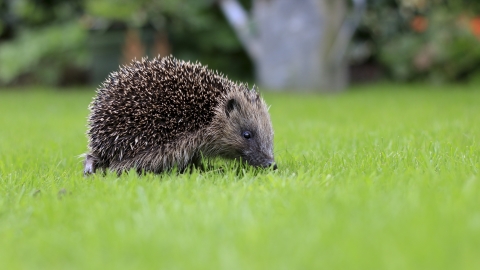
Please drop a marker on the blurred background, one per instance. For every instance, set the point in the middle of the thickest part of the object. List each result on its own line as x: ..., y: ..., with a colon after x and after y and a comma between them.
x: 315, y: 45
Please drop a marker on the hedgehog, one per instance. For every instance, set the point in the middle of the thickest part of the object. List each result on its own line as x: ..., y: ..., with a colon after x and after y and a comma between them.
x: 156, y: 115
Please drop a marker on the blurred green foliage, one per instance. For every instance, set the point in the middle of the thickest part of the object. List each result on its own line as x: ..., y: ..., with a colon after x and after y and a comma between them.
x: 42, y: 55
x: 160, y: 13
x: 51, y: 36
x: 43, y: 43
x: 431, y: 40
x: 195, y: 30
x: 435, y: 40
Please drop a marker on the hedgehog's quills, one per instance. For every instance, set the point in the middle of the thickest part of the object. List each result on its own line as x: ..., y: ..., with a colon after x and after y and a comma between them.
x: 155, y: 115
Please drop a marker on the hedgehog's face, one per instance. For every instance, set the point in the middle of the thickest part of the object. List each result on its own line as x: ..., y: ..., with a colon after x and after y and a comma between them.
x: 247, y: 132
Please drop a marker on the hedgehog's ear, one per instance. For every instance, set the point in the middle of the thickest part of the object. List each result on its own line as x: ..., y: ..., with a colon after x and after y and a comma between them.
x: 231, y: 105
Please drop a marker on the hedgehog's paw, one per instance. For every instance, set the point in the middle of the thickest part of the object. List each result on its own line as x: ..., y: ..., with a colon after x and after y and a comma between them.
x: 89, y: 167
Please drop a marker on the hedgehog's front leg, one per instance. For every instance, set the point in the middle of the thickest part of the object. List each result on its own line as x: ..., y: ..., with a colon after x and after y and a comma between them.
x: 201, y: 163
x: 197, y: 162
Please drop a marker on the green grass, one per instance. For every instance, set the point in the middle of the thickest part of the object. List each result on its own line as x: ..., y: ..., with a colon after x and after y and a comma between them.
x: 382, y: 177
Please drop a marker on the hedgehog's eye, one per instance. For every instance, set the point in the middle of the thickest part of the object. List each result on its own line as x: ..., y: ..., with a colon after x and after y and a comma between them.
x: 247, y: 135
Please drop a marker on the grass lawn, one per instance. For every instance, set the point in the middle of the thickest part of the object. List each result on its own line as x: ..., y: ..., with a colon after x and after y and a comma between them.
x: 381, y: 177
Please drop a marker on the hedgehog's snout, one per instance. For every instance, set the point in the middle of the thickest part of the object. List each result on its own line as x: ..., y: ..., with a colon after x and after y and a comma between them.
x: 259, y: 161
x: 265, y: 160
x: 271, y: 164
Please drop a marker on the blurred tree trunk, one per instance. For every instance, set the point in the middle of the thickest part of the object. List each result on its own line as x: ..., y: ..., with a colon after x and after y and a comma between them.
x: 296, y: 44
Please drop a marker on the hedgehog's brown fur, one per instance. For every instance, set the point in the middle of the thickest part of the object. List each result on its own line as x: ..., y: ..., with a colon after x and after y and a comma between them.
x: 155, y: 115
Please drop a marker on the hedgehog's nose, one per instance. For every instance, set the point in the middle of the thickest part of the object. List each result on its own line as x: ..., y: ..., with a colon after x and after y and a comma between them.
x: 272, y: 165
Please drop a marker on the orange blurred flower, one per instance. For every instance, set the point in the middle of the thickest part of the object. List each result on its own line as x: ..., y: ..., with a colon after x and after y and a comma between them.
x: 419, y: 24
x: 475, y: 26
